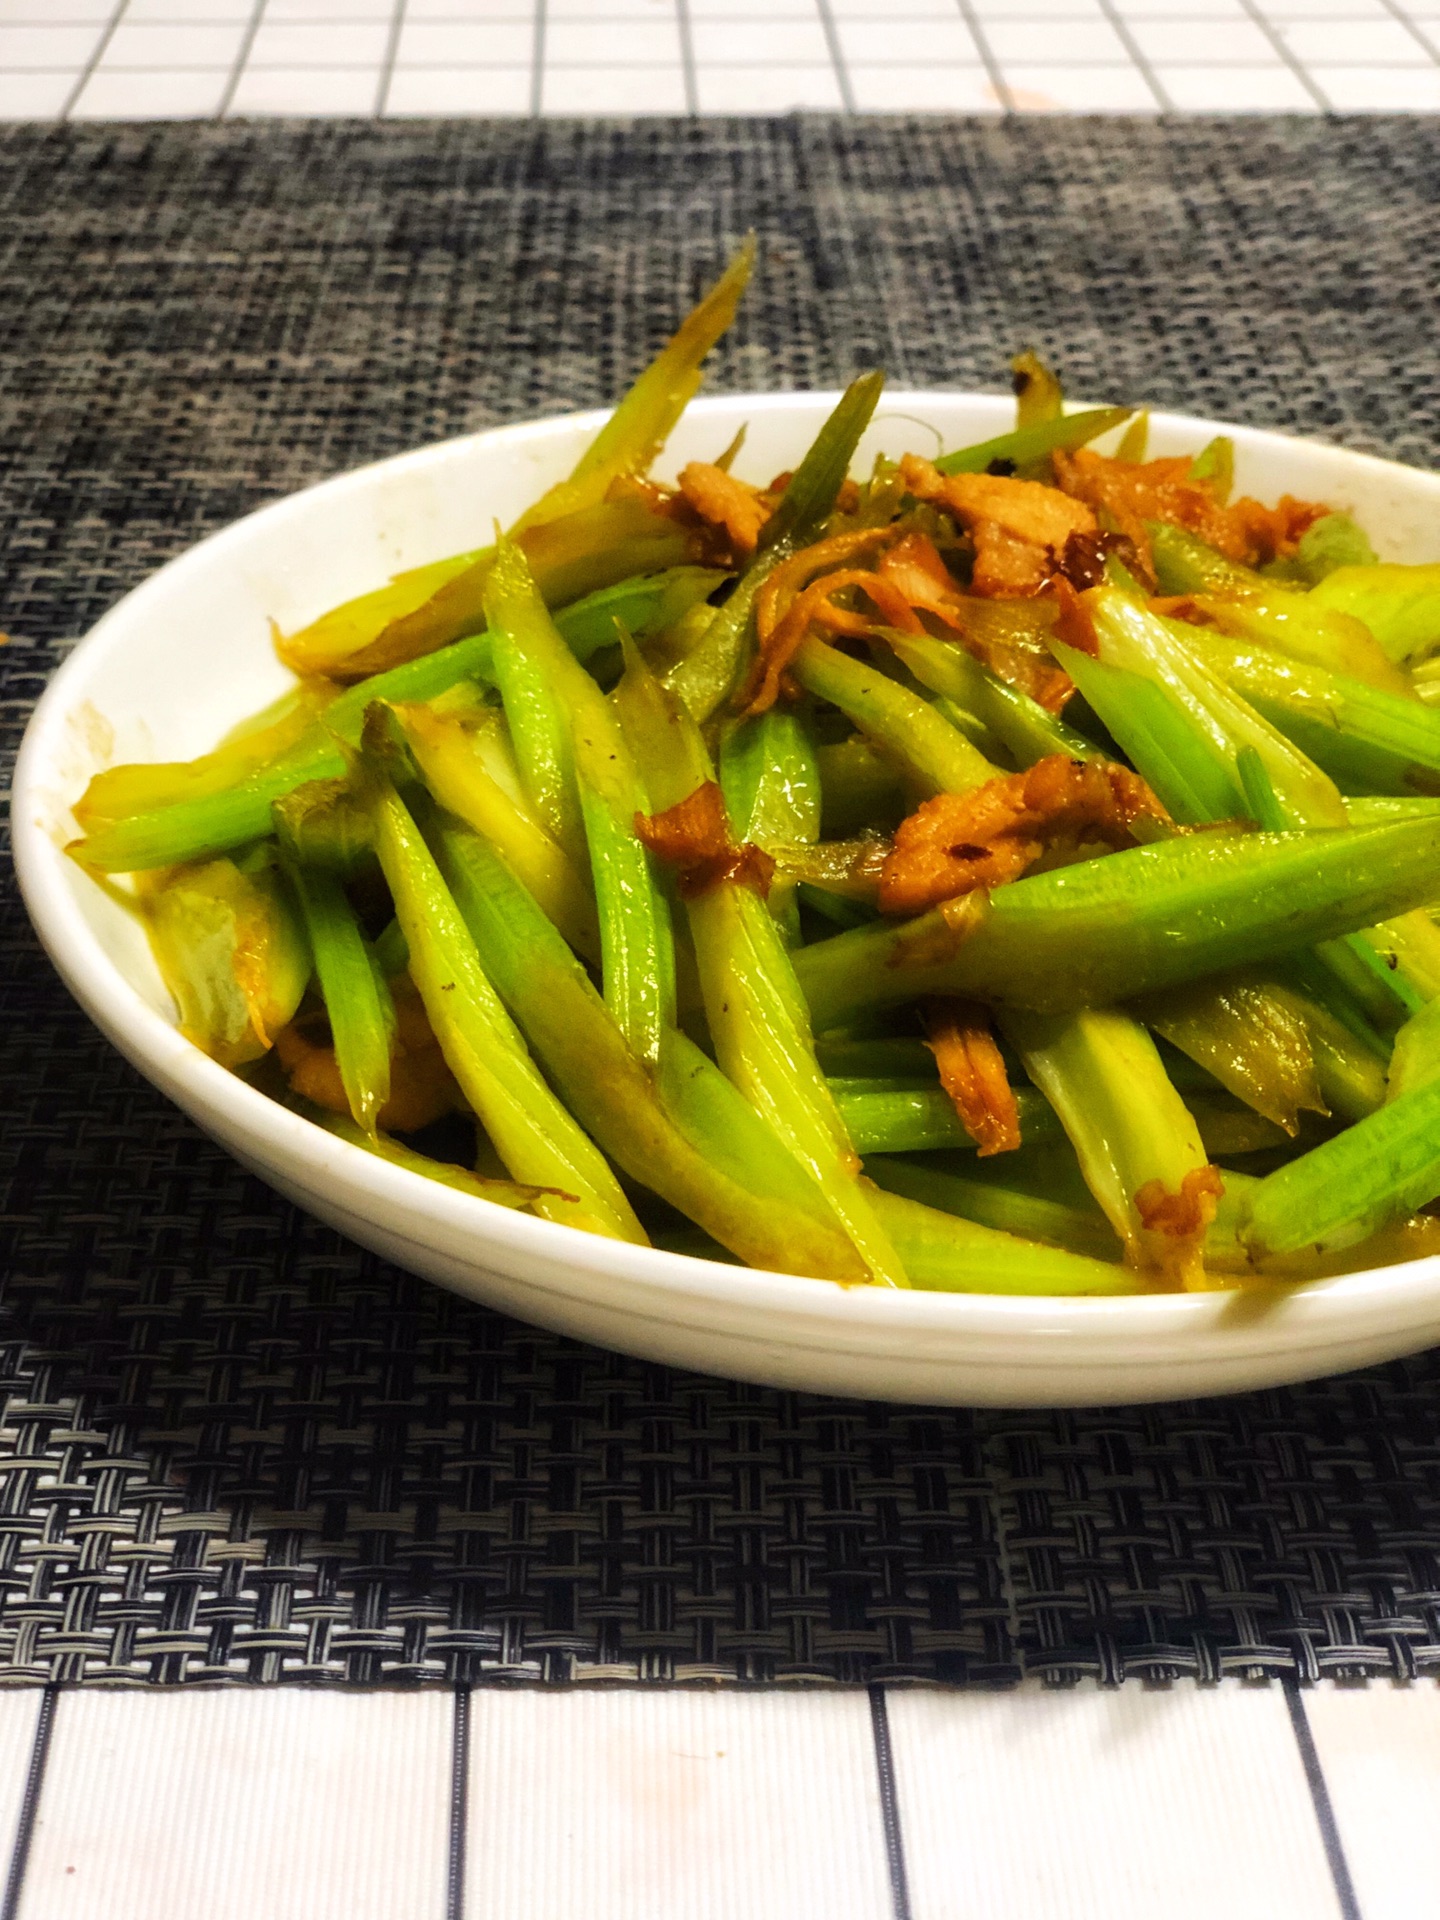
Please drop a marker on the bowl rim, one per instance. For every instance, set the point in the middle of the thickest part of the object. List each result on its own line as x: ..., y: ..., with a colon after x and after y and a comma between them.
x: 238, y: 1113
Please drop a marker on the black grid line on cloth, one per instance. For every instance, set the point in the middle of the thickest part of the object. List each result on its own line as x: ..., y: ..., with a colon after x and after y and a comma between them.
x: 234, y: 1447
x: 29, y: 1804
x: 1319, y: 1788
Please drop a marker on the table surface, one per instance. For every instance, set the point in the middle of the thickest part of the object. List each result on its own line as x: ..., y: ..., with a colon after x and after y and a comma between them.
x: 137, y: 59
x: 524, y: 1804
x: 234, y: 1449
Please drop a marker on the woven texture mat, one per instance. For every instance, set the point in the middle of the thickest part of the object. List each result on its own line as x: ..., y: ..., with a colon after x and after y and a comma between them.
x: 237, y: 1448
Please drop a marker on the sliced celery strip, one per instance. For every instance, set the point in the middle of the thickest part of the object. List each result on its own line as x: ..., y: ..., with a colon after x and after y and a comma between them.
x: 1028, y: 444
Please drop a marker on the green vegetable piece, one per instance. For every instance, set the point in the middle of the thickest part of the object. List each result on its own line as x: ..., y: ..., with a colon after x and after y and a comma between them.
x: 576, y: 761
x: 460, y: 763
x: 770, y: 778
x: 357, y: 1000
x: 934, y: 755
x: 1078, y: 1229
x: 947, y: 1254
x: 1400, y: 605
x: 1244, y: 1034
x: 1107, y: 929
x: 757, y: 1016
x: 1028, y: 444
x: 231, y: 948
x: 1215, y: 462
x: 504, y: 1193
x: 535, y: 1137
x: 1372, y: 1175
x: 884, y: 1118
x: 1130, y: 1129
x: 642, y: 423
x: 1337, y: 540
x: 1169, y: 746
x: 707, y: 675
x: 643, y: 607
x: 1024, y: 728
x: 686, y: 1132
x: 1039, y: 397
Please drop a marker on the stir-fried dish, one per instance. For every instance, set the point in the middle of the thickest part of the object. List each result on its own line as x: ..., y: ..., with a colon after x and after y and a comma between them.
x: 1004, y: 870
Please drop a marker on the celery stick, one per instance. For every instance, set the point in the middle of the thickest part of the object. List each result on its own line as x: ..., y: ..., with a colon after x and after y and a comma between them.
x: 581, y: 755
x: 535, y: 1137
x: 1373, y: 1174
x: 946, y: 1254
x: 1081, y: 1230
x: 916, y: 1119
x: 449, y: 758
x: 685, y: 1132
x: 934, y: 755
x: 1021, y: 724
x: 1107, y: 929
x: 641, y: 424
x: 1028, y: 444
x: 771, y: 781
x: 1100, y: 1071
x: 1169, y: 747
x: 705, y: 678
x: 1400, y: 605
x: 357, y: 1000
x: 1396, y: 726
x: 503, y: 1193
x: 232, y: 950
x: 756, y: 1013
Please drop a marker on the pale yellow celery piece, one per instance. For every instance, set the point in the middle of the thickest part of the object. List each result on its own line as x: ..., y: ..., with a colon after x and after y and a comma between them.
x: 338, y: 633
x: 232, y: 951
x: 1102, y: 1074
x: 453, y: 759
x: 139, y: 787
x: 1130, y: 636
x: 641, y: 424
x: 539, y: 1142
x: 759, y: 1021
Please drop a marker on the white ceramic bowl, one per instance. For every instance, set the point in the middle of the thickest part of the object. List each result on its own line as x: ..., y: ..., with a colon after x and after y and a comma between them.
x: 188, y: 653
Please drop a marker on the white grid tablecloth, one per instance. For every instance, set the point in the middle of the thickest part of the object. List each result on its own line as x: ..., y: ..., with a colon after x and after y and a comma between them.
x: 138, y: 59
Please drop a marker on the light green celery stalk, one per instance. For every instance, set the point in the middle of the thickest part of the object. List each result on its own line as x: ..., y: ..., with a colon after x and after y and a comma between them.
x: 641, y: 424
x: 1171, y: 656
x: 1105, y: 930
x: 1337, y: 540
x: 1163, y: 651
x: 1375, y: 1173
x: 504, y: 1193
x: 450, y: 757
x: 1026, y: 445
x: 1416, y: 1058
x: 756, y: 1013
x: 1400, y: 605
x: 1241, y: 1031
x: 535, y: 1137
x: 231, y: 948
x: 643, y: 607
x: 1168, y: 744
x: 1130, y: 1129
x: 682, y: 1130
x: 948, y: 1254
x: 891, y: 1119
x: 357, y: 999
x: 709, y: 673
x: 935, y: 756
x: 1031, y: 1216
x: 572, y: 750
x: 222, y: 817
x: 217, y: 822
x: 1401, y: 731
x: 771, y: 781
x: 1024, y: 728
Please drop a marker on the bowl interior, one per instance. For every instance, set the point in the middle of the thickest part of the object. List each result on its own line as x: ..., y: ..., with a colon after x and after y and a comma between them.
x: 189, y: 653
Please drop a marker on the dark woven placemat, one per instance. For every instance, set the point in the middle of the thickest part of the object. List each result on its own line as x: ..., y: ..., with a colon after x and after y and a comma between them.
x: 237, y: 1448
